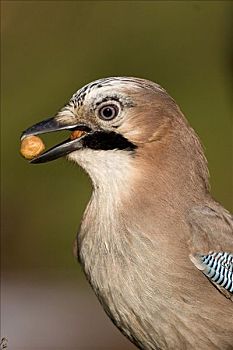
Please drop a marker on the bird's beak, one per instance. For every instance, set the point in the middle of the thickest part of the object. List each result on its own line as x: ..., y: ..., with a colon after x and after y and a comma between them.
x: 62, y: 149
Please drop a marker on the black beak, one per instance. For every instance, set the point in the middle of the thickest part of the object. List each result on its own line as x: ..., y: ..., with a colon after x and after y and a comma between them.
x: 62, y: 149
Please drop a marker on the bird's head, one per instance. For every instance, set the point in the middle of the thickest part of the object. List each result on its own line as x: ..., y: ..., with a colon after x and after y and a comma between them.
x: 122, y: 120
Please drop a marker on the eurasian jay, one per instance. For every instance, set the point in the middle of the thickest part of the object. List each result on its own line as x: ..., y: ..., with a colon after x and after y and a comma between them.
x: 155, y: 246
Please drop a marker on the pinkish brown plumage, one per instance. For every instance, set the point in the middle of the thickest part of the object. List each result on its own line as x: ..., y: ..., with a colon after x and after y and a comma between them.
x: 155, y: 246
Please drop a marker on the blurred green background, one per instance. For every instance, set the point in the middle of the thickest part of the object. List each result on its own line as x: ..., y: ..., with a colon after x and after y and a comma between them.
x: 49, y: 50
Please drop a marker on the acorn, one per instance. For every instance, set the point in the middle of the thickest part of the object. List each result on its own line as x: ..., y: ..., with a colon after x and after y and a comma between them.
x: 31, y: 147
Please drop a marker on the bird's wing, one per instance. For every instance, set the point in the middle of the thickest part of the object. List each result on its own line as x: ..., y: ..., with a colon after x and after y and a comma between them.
x: 211, y: 245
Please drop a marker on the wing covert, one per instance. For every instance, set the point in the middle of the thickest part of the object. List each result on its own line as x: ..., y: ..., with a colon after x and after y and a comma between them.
x: 211, y: 245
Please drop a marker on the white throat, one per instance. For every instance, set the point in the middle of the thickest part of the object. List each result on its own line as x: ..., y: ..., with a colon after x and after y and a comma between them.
x: 110, y: 171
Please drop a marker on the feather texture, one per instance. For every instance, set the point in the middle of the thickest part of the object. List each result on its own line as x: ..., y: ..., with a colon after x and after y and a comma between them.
x: 218, y: 267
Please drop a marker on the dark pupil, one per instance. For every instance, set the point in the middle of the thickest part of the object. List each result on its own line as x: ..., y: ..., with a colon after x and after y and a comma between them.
x: 108, y: 112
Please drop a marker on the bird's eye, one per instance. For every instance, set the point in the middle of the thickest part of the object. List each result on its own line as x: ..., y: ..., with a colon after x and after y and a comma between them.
x: 108, y: 112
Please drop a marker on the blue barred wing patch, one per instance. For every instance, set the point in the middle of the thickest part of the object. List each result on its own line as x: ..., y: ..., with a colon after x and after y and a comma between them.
x: 218, y: 267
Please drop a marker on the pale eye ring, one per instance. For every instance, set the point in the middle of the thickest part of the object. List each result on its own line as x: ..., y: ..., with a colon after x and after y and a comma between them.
x: 108, y: 112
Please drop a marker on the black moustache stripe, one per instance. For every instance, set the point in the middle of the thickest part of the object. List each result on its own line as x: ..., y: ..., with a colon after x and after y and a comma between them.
x: 101, y: 140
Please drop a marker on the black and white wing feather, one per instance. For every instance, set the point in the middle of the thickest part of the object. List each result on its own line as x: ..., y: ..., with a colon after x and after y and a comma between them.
x: 218, y: 267
x: 211, y: 245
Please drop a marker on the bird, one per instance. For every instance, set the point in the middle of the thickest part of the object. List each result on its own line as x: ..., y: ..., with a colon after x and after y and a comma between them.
x: 154, y: 245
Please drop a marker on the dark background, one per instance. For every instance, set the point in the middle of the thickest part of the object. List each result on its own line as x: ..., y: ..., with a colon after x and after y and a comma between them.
x: 49, y: 50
